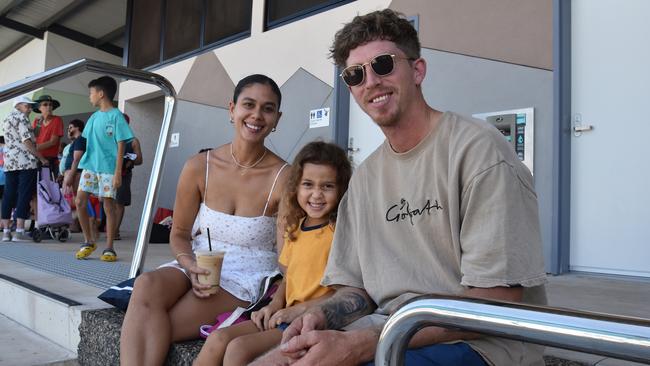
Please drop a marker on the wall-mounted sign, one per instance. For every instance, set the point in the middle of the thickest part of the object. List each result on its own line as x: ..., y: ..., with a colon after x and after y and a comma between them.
x: 319, y: 118
x: 175, y: 139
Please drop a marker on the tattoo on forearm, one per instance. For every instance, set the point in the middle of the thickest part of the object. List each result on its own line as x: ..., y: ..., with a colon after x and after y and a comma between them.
x: 346, y: 306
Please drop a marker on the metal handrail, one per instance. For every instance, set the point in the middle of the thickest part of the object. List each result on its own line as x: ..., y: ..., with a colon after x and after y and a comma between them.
x: 76, y: 67
x: 620, y: 337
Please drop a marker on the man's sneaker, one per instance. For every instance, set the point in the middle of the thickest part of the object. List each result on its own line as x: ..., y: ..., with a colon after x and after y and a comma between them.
x: 20, y: 237
x: 6, y: 236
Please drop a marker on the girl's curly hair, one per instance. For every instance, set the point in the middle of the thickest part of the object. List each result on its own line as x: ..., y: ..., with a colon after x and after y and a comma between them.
x: 316, y: 152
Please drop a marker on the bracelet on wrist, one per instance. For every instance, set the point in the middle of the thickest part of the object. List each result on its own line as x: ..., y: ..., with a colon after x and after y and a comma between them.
x: 181, y: 254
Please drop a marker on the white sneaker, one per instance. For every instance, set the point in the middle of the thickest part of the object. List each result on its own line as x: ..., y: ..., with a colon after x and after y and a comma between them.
x: 6, y: 236
x: 18, y: 237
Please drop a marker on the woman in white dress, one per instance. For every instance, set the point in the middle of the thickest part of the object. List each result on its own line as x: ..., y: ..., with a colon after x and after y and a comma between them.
x: 233, y: 190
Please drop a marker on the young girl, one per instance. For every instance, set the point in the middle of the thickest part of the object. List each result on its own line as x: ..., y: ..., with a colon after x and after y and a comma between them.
x: 318, y: 180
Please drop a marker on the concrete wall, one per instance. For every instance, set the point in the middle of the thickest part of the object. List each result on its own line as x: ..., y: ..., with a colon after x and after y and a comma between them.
x: 511, y: 31
x: 146, y: 118
x: 26, y: 61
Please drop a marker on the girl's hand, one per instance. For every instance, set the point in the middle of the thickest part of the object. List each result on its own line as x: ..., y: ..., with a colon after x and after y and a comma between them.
x: 199, y: 290
x: 286, y: 315
x: 262, y: 317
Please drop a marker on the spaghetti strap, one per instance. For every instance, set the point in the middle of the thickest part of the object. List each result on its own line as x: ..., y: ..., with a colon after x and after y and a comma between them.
x: 207, y: 169
x: 272, y: 188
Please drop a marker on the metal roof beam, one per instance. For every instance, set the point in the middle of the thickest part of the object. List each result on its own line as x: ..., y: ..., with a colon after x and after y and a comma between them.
x: 21, y: 27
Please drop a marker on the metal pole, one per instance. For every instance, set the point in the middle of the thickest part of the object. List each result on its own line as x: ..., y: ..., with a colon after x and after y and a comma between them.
x: 76, y: 67
x: 614, y: 336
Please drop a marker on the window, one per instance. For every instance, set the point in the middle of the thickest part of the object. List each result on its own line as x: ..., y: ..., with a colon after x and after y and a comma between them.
x: 224, y: 19
x: 163, y: 30
x: 279, y: 12
x: 144, y: 39
x: 182, y: 27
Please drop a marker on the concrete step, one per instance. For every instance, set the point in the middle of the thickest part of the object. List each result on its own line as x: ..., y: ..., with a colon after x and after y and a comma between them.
x: 22, y: 346
x: 47, y: 304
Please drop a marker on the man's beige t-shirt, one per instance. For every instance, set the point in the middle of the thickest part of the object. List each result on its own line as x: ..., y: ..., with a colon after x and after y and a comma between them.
x: 457, y: 210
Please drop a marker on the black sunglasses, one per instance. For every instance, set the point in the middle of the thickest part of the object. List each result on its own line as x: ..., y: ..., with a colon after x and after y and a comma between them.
x: 46, y: 104
x: 381, y: 65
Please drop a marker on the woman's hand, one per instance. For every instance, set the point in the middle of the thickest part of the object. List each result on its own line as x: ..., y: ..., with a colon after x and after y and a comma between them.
x: 194, y: 271
x: 287, y: 315
x: 262, y: 318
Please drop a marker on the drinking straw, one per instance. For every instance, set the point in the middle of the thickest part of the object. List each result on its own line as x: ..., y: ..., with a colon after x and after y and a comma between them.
x: 209, y: 241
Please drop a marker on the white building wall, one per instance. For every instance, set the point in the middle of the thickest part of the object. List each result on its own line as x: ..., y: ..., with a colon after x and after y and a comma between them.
x: 26, y: 61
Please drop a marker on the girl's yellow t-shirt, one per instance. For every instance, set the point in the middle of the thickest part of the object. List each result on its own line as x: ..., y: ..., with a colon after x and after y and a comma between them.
x: 305, y: 259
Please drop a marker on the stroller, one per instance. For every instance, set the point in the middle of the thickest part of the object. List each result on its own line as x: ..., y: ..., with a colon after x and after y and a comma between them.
x: 54, y: 213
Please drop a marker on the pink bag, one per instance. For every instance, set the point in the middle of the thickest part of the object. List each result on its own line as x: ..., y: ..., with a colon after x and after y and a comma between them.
x: 53, y: 209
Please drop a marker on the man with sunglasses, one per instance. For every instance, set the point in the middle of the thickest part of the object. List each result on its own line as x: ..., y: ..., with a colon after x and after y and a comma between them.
x: 443, y: 206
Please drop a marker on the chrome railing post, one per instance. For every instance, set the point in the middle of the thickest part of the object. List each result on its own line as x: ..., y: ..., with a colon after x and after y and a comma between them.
x: 146, y: 220
x: 76, y: 67
x: 613, y: 336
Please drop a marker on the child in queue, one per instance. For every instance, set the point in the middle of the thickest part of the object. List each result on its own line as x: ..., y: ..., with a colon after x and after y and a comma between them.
x: 106, y: 134
x: 318, y: 180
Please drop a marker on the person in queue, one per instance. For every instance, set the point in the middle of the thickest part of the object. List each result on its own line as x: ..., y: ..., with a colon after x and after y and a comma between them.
x: 442, y: 206
x: 48, y: 129
x: 20, y: 163
x: 106, y: 133
x: 233, y: 193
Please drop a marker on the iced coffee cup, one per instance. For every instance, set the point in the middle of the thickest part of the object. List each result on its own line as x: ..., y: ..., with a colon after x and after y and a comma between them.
x: 210, y: 260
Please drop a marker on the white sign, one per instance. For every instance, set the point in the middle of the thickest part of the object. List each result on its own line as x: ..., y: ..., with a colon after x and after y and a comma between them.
x: 319, y: 118
x: 175, y: 140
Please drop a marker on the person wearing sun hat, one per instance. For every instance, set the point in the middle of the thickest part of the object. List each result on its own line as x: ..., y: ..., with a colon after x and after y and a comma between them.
x: 48, y: 129
x: 21, y: 158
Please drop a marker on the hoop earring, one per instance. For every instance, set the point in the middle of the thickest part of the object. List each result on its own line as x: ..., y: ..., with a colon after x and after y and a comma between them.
x: 232, y: 122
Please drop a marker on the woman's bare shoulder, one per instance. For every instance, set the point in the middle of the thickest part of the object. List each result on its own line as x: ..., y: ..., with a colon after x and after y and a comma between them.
x: 275, y: 161
x: 198, y: 161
